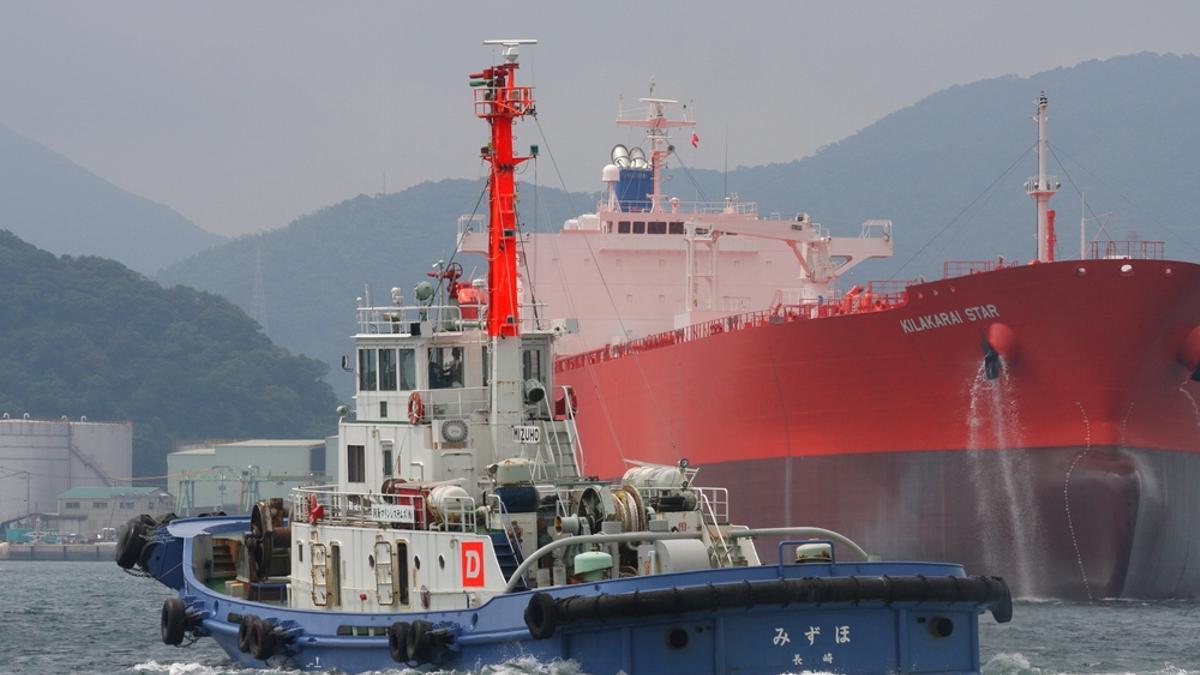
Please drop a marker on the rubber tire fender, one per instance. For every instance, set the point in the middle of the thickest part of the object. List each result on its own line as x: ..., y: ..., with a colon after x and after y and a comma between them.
x: 173, y: 621
x: 243, y: 639
x: 398, y: 641
x: 262, y: 640
x: 147, y: 552
x: 129, y: 546
x: 540, y: 616
x: 418, y: 642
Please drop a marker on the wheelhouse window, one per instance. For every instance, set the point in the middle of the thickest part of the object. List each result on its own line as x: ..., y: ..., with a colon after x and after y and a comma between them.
x: 445, y: 367
x: 366, y: 369
x: 408, y: 369
x: 387, y: 370
x: 639, y: 228
x: 623, y: 227
x: 531, y: 364
x: 657, y: 227
x: 356, y: 468
x: 675, y: 228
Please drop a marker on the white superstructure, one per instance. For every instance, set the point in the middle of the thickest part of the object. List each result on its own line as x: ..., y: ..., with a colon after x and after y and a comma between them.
x: 645, y: 263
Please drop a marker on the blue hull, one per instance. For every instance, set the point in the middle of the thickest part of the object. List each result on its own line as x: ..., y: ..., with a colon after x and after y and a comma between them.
x: 745, y: 621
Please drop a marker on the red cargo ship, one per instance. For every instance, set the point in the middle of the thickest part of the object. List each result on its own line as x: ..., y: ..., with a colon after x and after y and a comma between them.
x: 1039, y: 419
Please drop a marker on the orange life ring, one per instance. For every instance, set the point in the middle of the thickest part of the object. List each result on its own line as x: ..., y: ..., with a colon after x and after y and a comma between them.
x: 416, y: 408
x: 315, y: 511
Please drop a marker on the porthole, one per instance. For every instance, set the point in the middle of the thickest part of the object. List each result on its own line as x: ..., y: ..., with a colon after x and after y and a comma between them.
x: 441, y: 561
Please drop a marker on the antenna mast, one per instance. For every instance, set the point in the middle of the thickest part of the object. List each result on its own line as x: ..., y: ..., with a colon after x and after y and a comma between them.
x: 1042, y: 187
x: 499, y: 100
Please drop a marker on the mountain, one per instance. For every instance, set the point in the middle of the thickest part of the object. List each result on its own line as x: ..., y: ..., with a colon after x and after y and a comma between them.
x: 88, y: 336
x: 1121, y: 130
x: 57, y: 205
x: 313, y: 269
x: 948, y: 171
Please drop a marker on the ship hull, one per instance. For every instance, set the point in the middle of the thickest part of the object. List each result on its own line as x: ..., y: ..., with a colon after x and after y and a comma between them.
x: 1073, y: 472
x: 1079, y: 523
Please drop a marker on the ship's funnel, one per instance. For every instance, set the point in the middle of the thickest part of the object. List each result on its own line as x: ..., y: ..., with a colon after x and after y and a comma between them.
x: 535, y: 392
x: 620, y: 155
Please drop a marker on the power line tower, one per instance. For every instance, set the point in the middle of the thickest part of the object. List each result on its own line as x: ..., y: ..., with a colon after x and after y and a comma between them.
x: 258, y: 299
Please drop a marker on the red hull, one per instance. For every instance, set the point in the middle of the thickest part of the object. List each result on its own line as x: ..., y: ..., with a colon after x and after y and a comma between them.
x: 1091, y: 361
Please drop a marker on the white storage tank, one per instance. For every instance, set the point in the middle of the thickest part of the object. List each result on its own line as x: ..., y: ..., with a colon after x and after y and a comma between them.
x: 44, y: 458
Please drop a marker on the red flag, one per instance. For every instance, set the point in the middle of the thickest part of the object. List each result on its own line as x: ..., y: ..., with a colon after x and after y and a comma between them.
x: 695, y: 140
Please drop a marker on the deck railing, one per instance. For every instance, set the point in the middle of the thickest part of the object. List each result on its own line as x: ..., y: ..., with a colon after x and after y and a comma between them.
x: 850, y: 304
x: 409, y: 511
x: 1132, y: 249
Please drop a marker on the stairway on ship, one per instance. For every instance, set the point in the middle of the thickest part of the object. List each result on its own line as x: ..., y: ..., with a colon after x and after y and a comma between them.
x: 509, y: 559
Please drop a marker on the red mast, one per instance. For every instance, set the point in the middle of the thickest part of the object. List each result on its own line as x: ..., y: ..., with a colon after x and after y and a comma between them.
x: 499, y: 100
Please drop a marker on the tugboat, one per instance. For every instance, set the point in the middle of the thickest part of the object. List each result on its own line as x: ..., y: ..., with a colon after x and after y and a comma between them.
x: 461, y: 533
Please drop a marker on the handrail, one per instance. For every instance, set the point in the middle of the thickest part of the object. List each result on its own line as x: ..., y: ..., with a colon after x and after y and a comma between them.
x: 811, y: 532
x: 707, y: 507
x: 506, y: 521
x: 583, y: 539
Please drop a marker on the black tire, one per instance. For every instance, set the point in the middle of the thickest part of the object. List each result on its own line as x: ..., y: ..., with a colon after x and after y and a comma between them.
x: 165, y: 519
x: 540, y: 615
x: 248, y: 622
x: 418, y: 642
x: 173, y: 621
x: 147, y: 520
x: 398, y: 641
x: 262, y: 640
x: 129, y: 546
x: 147, y: 552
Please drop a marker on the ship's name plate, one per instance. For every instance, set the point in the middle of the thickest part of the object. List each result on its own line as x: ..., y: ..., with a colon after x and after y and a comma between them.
x: 954, y: 317
x: 393, y: 513
x: 527, y: 435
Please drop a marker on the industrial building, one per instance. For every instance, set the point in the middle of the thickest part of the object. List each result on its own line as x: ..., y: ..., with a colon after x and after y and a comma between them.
x: 231, y: 477
x: 87, y: 511
x: 41, y: 459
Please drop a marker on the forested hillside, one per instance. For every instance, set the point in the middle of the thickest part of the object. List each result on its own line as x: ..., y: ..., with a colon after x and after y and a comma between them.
x: 313, y: 269
x: 53, y: 203
x: 87, y: 336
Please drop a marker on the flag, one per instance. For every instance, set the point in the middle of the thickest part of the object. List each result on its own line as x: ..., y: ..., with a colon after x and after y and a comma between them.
x: 695, y: 140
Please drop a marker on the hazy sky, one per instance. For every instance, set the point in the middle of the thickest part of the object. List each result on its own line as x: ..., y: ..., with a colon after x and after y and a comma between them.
x: 244, y: 115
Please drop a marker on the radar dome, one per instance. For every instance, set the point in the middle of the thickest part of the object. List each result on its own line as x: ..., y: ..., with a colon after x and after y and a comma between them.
x: 611, y: 173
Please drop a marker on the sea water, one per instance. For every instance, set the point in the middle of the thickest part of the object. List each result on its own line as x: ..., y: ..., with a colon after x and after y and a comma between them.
x: 62, y: 617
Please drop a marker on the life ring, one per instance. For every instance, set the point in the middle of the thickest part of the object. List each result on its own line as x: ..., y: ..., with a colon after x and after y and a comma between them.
x: 540, y: 616
x: 416, y: 408
x: 315, y: 511
x: 398, y: 641
x: 418, y: 642
x: 173, y: 621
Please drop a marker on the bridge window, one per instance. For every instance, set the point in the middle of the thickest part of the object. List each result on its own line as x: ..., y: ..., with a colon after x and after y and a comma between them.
x: 623, y: 227
x: 445, y: 367
x: 366, y: 370
x: 531, y: 364
x: 387, y: 370
x: 408, y: 369
x: 356, y: 469
x: 657, y: 228
x: 639, y: 228
x: 675, y: 228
